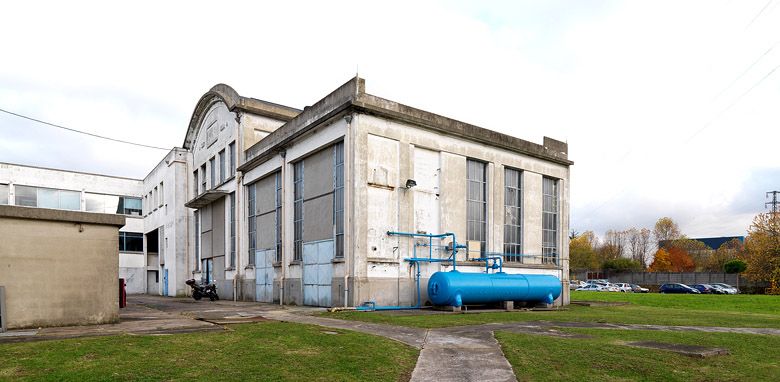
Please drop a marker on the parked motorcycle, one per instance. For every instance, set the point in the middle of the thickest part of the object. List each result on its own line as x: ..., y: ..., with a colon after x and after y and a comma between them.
x: 199, y: 290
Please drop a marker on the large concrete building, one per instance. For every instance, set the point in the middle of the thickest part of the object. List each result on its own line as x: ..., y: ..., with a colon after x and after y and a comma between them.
x: 291, y: 206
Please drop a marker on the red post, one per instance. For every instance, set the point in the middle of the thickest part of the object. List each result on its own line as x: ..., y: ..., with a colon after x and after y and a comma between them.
x: 122, y: 293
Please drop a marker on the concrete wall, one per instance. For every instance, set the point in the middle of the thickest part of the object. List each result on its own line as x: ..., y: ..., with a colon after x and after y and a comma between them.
x: 171, y: 219
x: 59, y: 267
x: 387, y: 153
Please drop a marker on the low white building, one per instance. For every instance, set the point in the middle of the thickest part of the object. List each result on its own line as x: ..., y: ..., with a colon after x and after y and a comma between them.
x: 77, y: 191
x: 293, y: 206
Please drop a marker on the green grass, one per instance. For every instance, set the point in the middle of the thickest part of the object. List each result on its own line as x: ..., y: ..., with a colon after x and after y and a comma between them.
x: 603, y: 358
x: 657, y: 309
x: 263, y: 351
x: 744, y: 303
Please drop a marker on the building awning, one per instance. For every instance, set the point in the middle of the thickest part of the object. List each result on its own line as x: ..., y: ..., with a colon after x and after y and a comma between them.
x: 206, y: 198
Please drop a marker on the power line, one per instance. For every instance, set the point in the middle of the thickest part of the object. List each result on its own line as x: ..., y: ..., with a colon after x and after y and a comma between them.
x: 83, y: 132
x: 745, y: 71
x: 759, y: 13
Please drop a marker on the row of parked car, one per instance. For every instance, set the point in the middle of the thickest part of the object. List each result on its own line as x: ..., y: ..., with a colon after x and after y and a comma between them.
x: 714, y: 288
x: 602, y: 285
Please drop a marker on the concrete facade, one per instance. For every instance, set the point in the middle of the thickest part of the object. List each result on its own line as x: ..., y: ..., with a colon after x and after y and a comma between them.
x: 386, y: 144
x: 58, y: 267
x: 292, y: 206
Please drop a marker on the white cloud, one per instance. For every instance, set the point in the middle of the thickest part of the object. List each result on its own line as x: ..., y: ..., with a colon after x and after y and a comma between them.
x: 631, y: 86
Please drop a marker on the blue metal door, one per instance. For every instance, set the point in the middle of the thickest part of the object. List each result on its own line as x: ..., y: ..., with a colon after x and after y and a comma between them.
x: 165, y: 282
x: 264, y: 275
x: 317, y: 272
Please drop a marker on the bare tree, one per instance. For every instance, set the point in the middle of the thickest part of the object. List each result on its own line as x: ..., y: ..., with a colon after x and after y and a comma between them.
x: 614, y: 244
x: 639, y: 245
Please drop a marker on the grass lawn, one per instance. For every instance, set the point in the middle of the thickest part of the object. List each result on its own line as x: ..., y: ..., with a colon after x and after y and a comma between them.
x: 261, y: 351
x: 694, y: 310
x: 602, y: 358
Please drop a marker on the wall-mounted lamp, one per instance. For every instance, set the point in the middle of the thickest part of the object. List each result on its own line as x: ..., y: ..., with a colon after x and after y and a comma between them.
x: 410, y: 183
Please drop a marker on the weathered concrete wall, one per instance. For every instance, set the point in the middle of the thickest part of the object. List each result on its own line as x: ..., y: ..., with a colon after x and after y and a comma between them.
x: 59, y: 267
x: 172, y: 219
x: 388, y: 152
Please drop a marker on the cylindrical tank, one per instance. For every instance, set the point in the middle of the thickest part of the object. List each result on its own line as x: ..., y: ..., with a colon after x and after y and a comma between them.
x: 456, y: 289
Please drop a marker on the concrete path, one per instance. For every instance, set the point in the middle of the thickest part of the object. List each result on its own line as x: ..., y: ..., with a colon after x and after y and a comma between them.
x: 462, y: 354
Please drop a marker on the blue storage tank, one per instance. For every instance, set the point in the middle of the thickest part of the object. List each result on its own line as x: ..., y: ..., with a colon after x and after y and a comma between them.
x: 456, y: 289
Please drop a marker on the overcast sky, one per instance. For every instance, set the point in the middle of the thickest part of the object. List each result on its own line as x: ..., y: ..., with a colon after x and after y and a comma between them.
x: 670, y: 108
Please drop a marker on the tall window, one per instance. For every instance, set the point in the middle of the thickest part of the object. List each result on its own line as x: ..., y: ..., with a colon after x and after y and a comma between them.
x: 278, y: 217
x: 203, y: 178
x: 222, y: 166
x: 195, y: 183
x: 213, y: 172
x: 196, y: 216
x: 233, y: 229
x: 549, y: 221
x: 513, y: 215
x: 338, y: 197
x: 298, y: 211
x: 476, y: 203
x: 161, y: 202
x: 232, y: 155
x: 252, y: 222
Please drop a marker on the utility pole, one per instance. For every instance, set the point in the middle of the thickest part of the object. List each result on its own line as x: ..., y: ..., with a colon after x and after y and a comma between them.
x: 774, y: 201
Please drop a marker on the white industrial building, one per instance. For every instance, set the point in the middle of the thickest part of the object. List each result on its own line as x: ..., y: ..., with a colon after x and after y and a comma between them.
x: 291, y: 206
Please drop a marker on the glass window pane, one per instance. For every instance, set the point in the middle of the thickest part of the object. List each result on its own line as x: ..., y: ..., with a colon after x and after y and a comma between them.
x: 132, y: 206
x: 111, y: 204
x: 71, y: 200
x: 94, y: 203
x: 26, y: 196
x: 4, y: 191
x: 48, y: 198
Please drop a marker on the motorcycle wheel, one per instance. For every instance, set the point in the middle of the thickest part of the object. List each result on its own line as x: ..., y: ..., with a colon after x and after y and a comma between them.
x: 212, y: 298
x: 196, y: 296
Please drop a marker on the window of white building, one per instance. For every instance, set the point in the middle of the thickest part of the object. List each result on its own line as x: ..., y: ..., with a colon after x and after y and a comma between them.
x: 513, y: 215
x: 476, y: 203
x: 549, y: 221
x: 222, y: 166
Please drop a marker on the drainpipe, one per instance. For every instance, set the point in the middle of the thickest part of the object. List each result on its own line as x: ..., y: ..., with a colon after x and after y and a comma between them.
x: 348, y: 155
x: 239, y: 228
x: 285, y: 190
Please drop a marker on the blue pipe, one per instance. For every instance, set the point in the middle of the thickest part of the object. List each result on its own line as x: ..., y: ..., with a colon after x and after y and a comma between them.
x: 415, y: 262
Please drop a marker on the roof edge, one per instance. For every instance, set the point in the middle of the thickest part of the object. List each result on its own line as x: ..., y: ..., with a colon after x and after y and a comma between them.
x: 235, y: 102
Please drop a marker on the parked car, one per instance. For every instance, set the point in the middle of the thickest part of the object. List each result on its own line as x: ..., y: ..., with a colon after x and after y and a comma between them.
x: 592, y: 288
x: 704, y: 288
x: 717, y: 289
x: 638, y: 289
x: 575, y: 284
x: 677, y: 288
x: 623, y: 287
x: 728, y: 288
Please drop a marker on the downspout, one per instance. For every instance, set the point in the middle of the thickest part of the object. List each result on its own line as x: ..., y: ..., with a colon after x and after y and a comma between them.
x: 283, y: 177
x: 239, y: 208
x: 348, y: 178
